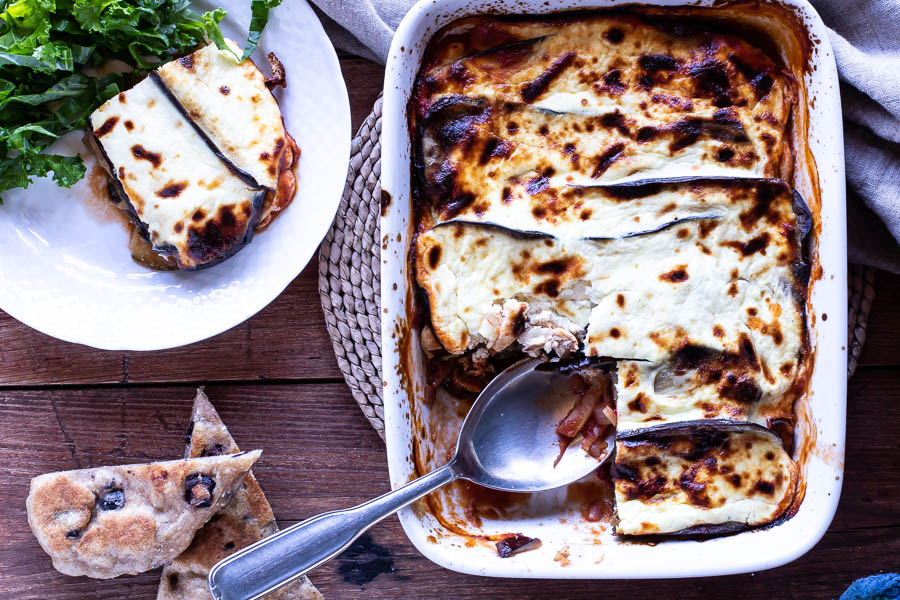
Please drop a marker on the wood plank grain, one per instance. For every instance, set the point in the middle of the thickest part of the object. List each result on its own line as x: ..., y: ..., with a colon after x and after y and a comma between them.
x: 311, y: 464
x: 263, y: 347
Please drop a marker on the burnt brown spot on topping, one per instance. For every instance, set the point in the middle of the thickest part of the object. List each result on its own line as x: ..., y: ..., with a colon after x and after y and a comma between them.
x: 765, y: 487
x: 657, y: 62
x: 605, y: 160
x: 615, y: 333
x: 620, y: 300
x: 215, y: 236
x: 786, y: 368
x: 142, y: 153
x: 770, y: 455
x: 682, y: 233
x: 129, y: 125
x: 676, y: 275
x: 533, y: 89
x: 711, y: 81
x: 614, y: 35
x: 645, y: 134
x: 615, y: 120
x: 187, y: 62
x: 718, y: 331
x: 198, y: 215
x: 706, y: 226
x: 107, y: 126
x: 122, y: 97
x: 733, y: 290
x: 613, y: 79
x: 549, y: 287
x: 766, y: 194
x: 538, y: 212
x: 637, y: 404
x: 506, y: 196
x: 724, y: 154
x: 458, y: 71
x: 747, y: 351
x: 512, y: 127
x: 645, y: 489
x: 735, y: 480
x: 694, y: 490
x: 179, y: 227
x: 121, y: 173
x: 757, y: 244
x: 172, y: 190
x: 224, y: 90
x: 556, y: 267
x: 495, y: 148
x: 751, y: 311
x: 585, y: 214
x: 543, y: 130
x: 434, y: 256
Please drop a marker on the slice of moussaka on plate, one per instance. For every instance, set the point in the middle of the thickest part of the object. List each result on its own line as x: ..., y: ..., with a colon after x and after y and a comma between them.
x: 198, y: 156
x: 610, y: 190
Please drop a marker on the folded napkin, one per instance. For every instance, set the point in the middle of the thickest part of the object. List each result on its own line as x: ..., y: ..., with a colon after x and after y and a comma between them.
x: 865, y: 35
x: 874, y: 587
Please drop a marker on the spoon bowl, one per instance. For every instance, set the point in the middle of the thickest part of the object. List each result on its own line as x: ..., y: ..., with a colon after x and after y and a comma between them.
x: 508, y: 442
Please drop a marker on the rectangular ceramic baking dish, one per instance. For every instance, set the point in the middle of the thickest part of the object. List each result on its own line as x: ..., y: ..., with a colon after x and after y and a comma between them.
x: 573, y: 548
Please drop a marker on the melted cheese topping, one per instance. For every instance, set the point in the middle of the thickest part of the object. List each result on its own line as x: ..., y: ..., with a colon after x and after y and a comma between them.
x: 669, y: 483
x: 190, y: 203
x: 565, y: 103
x: 231, y: 104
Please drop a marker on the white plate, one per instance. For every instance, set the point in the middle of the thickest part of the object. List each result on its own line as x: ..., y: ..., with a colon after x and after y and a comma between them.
x: 65, y: 269
x: 549, y: 516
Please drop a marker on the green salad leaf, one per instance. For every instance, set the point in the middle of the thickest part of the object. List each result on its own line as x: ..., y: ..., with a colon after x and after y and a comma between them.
x: 259, y: 16
x: 52, y: 54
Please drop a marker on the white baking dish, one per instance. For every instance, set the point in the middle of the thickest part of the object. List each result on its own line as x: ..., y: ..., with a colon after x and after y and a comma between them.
x: 573, y: 548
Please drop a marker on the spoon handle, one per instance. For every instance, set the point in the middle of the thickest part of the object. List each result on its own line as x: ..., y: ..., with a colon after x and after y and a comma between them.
x: 288, y: 554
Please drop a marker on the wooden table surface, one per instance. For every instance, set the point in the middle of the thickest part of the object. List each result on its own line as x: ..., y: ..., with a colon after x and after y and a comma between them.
x: 276, y: 384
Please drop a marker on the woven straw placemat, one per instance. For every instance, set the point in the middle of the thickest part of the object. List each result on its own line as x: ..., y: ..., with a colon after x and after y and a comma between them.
x: 350, y: 270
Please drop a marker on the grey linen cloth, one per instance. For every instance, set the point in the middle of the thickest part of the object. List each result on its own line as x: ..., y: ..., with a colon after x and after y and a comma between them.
x: 865, y: 35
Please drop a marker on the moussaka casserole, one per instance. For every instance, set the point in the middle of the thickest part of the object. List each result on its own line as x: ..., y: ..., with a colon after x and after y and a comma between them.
x: 610, y: 189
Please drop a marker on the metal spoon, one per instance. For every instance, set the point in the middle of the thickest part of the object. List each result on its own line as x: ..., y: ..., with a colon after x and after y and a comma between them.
x: 507, y: 442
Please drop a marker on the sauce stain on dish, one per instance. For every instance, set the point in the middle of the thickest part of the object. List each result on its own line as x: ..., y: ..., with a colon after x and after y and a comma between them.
x: 93, y: 193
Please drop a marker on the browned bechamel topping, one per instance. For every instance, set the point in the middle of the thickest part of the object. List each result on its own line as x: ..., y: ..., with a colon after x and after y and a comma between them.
x: 142, y: 153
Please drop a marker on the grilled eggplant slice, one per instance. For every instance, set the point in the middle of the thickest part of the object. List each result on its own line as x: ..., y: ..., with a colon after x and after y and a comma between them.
x: 701, y: 477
